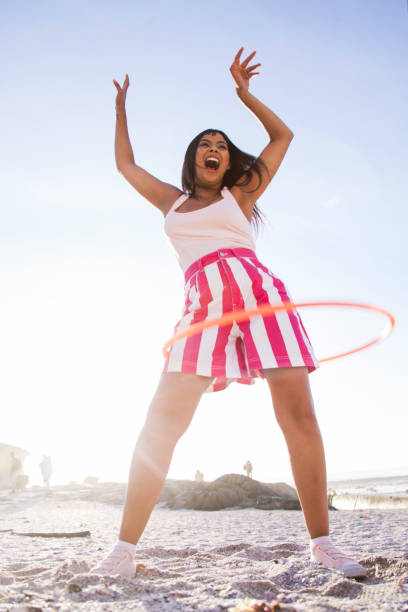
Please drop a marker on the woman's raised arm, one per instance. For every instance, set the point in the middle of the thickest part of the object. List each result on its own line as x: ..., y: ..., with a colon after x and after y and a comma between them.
x: 160, y: 194
x: 280, y: 136
x: 123, y: 148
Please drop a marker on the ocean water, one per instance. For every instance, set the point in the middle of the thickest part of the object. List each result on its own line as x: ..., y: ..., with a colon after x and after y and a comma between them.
x: 387, y: 485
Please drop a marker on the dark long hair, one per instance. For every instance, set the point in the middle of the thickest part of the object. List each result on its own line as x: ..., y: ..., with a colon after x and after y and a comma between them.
x: 242, y: 165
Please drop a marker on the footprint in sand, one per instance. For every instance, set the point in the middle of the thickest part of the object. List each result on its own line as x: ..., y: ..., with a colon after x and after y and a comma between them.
x: 288, y: 546
x: 261, y: 553
x: 381, y: 568
x: 30, y: 571
x: 165, y: 553
x: 230, y: 549
x: 344, y: 588
x: 268, y: 553
x: 6, y: 578
x: 17, y: 566
x: 256, y: 588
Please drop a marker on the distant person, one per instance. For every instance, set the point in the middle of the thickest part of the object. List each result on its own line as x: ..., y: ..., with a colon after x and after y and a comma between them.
x: 248, y: 468
x: 46, y: 470
x: 16, y: 467
x: 208, y: 223
x: 199, y: 476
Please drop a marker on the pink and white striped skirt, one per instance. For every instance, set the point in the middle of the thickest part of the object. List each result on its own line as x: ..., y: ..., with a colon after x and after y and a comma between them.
x: 234, y: 279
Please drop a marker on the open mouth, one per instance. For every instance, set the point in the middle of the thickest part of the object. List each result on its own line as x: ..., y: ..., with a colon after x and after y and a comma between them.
x: 212, y: 164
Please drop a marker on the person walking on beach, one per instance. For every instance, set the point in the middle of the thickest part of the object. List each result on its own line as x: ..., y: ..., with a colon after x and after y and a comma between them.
x: 199, y: 476
x: 208, y: 224
x: 46, y: 470
x: 248, y: 468
x: 15, y: 469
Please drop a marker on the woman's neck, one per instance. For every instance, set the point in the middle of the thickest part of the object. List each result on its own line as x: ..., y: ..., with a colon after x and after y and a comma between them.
x: 205, y: 195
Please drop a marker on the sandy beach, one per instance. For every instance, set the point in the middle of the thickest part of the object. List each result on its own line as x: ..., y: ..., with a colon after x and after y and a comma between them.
x: 234, y: 559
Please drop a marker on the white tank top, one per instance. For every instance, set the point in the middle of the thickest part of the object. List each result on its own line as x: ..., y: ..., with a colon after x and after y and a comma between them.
x: 219, y: 225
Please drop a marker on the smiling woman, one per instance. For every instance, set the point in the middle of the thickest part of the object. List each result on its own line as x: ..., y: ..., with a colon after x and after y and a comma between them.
x: 223, y: 274
x: 235, y: 167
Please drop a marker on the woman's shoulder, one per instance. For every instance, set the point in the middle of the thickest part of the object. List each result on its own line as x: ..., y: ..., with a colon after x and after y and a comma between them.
x: 173, y: 196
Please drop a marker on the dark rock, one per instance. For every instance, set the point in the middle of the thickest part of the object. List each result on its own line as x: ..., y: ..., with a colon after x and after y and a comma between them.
x: 248, y: 485
x: 230, y: 490
x: 273, y: 502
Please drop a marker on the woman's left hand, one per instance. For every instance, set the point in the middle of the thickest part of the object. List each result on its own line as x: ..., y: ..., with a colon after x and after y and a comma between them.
x: 240, y: 73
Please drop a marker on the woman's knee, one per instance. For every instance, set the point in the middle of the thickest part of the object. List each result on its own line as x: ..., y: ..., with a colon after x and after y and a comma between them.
x: 305, y: 423
x: 296, y: 412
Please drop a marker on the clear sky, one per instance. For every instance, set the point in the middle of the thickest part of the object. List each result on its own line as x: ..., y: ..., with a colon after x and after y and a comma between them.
x: 90, y: 288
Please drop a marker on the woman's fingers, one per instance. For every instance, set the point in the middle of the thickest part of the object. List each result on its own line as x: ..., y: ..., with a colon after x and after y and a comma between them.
x: 238, y: 54
x: 125, y: 84
x: 246, y: 61
x: 237, y: 57
x: 253, y: 67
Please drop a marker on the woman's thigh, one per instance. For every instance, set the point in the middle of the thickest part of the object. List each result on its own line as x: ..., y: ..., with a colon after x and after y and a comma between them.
x: 175, y: 400
x: 182, y: 384
x: 290, y: 391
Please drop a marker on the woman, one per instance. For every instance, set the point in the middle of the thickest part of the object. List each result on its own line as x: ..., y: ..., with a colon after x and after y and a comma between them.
x: 208, y: 224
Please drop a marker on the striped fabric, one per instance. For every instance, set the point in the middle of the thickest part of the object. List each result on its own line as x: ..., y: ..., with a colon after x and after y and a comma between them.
x: 228, y: 280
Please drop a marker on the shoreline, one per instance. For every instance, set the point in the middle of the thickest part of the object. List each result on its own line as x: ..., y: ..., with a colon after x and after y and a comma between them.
x: 362, y: 501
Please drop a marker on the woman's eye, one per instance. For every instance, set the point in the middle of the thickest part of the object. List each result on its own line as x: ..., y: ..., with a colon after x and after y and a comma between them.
x: 205, y: 144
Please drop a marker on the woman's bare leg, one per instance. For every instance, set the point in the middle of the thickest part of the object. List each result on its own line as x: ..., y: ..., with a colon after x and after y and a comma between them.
x: 169, y: 415
x: 293, y: 404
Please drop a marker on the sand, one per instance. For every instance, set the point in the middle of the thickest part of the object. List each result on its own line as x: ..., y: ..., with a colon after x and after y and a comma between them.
x: 196, y: 560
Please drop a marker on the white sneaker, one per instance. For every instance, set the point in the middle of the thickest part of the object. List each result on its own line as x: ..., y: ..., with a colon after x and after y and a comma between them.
x: 119, y: 561
x: 327, y: 554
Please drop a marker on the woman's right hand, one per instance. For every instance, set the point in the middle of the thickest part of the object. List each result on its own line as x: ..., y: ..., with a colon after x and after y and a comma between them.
x: 121, y: 97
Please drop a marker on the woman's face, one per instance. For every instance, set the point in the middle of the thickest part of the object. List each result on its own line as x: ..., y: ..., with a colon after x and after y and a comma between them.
x: 207, y: 171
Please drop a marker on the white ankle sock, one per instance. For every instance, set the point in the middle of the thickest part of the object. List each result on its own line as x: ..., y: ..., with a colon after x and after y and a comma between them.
x: 128, y: 546
x: 319, y: 539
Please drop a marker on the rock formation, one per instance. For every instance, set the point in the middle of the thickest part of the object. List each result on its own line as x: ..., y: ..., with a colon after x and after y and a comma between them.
x: 230, y: 490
